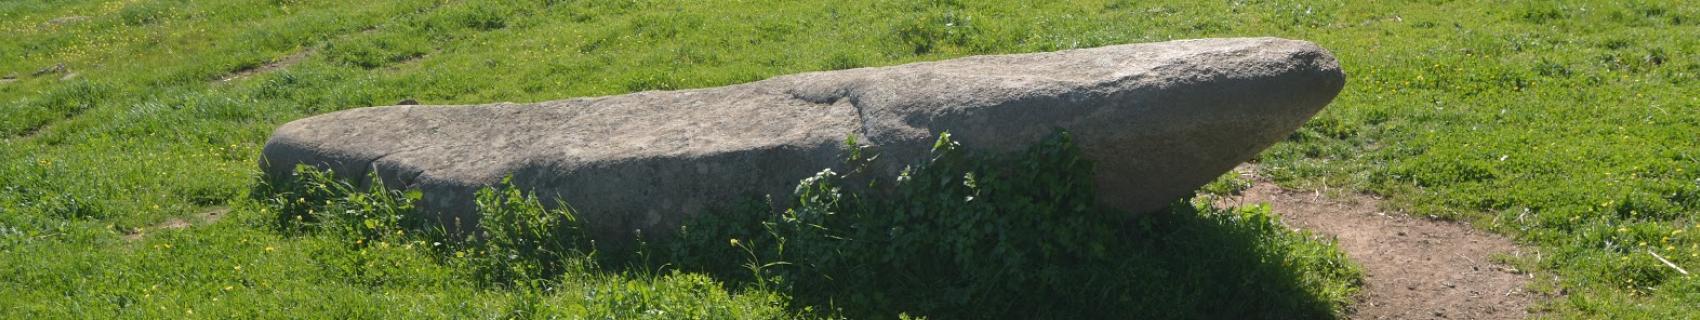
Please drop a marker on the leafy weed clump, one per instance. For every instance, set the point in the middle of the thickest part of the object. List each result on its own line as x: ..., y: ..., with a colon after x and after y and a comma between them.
x: 531, y: 257
x: 521, y: 239
x: 968, y: 235
x: 518, y: 240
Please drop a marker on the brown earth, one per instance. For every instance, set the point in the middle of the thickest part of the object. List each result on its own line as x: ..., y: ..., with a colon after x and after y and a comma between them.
x: 286, y: 61
x: 1415, y: 268
x: 178, y: 223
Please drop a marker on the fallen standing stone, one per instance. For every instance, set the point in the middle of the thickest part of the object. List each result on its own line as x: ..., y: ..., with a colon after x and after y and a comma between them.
x: 1158, y: 119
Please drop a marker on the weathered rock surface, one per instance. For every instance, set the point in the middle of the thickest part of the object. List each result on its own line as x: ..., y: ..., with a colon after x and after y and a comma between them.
x: 1159, y: 119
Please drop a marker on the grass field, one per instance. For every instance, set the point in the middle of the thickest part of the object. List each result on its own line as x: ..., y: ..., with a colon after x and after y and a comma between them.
x: 1568, y: 125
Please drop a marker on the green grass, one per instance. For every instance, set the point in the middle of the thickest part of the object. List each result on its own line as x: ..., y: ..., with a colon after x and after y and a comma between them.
x: 1567, y: 125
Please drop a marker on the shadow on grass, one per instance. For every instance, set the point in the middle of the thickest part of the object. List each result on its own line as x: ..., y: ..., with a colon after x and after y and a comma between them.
x: 1191, y: 262
x: 962, y: 235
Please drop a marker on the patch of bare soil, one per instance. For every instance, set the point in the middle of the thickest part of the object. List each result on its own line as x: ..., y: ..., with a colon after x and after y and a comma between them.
x: 286, y: 61
x: 208, y: 216
x: 38, y: 130
x: 63, y: 21
x: 1415, y: 268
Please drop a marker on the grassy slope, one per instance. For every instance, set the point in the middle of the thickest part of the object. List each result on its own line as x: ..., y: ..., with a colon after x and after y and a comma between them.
x: 1567, y: 125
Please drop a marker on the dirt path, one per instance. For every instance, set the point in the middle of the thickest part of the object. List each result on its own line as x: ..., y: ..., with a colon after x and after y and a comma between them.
x: 1414, y: 268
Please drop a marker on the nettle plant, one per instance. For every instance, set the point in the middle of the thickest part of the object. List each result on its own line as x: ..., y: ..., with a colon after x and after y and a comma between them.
x: 956, y: 230
x: 959, y: 229
x: 521, y: 238
x: 314, y: 200
x: 517, y: 240
x: 1017, y: 235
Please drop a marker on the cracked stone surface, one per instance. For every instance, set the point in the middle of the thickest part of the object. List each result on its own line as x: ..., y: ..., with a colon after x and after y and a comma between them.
x: 1159, y: 119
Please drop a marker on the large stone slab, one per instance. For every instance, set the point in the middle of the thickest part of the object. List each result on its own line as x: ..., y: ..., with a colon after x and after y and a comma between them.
x: 1159, y: 119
